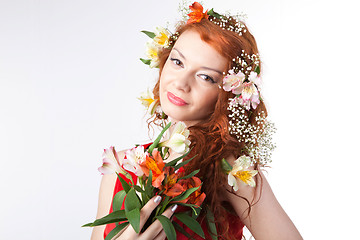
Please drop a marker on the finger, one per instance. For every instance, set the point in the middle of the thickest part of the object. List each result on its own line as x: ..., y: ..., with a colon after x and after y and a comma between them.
x: 118, y: 235
x: 161, y: 235
x: 147, y: 209
x: 144, y: 215
x: 155, y: 228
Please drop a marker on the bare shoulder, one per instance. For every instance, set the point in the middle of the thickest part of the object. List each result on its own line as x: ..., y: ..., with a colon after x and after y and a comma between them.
x: 265, y: 217
x: 241, y: 199
x: 106, y: 192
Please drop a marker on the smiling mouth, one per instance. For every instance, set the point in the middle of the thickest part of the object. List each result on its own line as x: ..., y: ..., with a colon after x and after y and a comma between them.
x: 175, y: 100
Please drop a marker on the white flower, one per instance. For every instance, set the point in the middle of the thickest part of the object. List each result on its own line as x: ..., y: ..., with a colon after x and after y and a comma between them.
x: 162, y: 37
x: 250, y: 92
x: 133, y: 159
x: 240, y: 171
x: 249, y: 95
x: 152, y: 52
x: 148, y: 100
x: 254, y: 77
x: 233, y: 82
x: 178, y: 141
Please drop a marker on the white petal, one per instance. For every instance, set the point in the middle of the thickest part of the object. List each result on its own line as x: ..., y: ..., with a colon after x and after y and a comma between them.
x: 232, y: 182
x: 251, y: 182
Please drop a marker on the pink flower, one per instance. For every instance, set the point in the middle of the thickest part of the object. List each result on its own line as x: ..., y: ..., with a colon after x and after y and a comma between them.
x: 254, y: 77
x: 111, y: 162
x: 134, y: 158
x: 247, y: 89
x: 253, y: 101
x: 233, y: 82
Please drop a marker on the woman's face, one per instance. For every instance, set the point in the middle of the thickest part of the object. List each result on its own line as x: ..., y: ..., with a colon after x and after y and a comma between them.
x: 189, y: 82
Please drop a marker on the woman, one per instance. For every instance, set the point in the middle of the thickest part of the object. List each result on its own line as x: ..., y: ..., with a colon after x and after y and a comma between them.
x: 192, y: 89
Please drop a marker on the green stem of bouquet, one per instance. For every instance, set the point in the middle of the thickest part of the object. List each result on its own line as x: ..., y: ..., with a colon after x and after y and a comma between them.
x: 166, y: 201
x: 128, y: 176
x: 166, y: 149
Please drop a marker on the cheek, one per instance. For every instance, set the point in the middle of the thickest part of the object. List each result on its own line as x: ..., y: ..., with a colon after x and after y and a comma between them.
x: 162, y: 86
x: 209, y: 100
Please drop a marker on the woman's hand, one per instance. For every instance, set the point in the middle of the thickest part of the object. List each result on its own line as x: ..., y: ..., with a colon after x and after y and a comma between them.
x: 154, y: 231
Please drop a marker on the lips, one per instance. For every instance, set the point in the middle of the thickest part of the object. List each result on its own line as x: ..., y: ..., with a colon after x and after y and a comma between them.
x: 175, y: 100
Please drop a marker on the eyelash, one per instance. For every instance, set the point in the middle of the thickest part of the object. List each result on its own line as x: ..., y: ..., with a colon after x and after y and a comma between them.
x: 177, y: 62
x: 208, y: 78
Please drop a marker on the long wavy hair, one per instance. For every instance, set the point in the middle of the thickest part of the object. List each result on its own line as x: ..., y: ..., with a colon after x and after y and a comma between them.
x: 212, y: 133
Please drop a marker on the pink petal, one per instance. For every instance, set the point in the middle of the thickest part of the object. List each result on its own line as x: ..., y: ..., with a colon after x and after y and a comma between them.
x: 106, y: 169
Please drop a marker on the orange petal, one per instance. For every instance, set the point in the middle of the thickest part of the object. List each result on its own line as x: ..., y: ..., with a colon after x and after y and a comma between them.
x: 196, y: 7
x: 156, y: 182
x: 197, y: 181
x: 144, y: 168
x: 176, y: 190
x: 200, y: 199
x: 158, y: 159
x: 197, y: 13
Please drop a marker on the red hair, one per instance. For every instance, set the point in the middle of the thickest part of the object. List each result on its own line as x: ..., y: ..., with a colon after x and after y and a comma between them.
x: 212, y: 134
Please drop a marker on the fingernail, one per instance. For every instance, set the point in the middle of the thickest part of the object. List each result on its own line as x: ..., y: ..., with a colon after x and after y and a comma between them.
x: 173, y: 208
x: 157, y: 199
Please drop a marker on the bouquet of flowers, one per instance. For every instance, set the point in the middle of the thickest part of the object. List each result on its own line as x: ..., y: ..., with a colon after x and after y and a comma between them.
x: 155, y: 176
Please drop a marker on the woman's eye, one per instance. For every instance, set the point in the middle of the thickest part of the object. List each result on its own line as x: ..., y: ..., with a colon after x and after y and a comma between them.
x: 176, y: 61
x: 207, y: 78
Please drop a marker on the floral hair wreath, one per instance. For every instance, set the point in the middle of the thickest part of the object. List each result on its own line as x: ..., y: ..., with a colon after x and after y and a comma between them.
x: 242, y: 80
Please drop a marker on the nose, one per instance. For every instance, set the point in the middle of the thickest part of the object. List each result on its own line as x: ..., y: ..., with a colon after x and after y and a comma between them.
x: 184, y: 81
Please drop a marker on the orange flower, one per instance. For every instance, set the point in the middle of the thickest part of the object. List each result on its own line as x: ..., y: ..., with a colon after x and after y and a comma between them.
x: 156, y: 165
x: 197, y: 13
x: 196, y: 197
x: 171, y: 187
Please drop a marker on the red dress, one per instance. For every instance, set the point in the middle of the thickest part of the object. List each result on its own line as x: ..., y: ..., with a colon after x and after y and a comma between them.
x: 235, y: 224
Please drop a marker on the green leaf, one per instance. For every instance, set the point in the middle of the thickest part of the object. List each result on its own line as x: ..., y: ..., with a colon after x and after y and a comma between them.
x: 196, y: 212
x: 174, y: 162
x: 149, y: 34
x: 87, y: 225
x: 146, y: 61
x: 190, y: 175
x: 211, y: 224
x: 116, y: 230
x: 134, y: 219
x: 118, y: 200
x: 124, y: 184
x: 225, y: 165
x: 183, y: 163
x: 157, y: 140
x: 214, y: 14
x: 190, y: 223
x: 257, y: 69
x: 168, y: 227
x: 185, y: 194
x: 113, y: 217
x: 196, y: 209
x: 137, y: 188
x: 148, y: 187
x: 164, y: 204
x: 181, y: 230
x: 132, y: 201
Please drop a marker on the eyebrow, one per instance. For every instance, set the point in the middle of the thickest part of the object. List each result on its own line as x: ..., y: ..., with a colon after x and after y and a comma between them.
x: 212, y: 69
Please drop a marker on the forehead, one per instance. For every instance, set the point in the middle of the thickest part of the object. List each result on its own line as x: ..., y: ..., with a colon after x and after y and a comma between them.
x: 197, y: 51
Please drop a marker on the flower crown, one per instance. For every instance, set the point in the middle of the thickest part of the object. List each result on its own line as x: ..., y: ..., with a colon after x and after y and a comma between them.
x: 242, y: 80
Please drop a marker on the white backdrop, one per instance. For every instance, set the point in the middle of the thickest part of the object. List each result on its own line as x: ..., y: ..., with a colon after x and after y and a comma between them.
x: 70, y: 74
